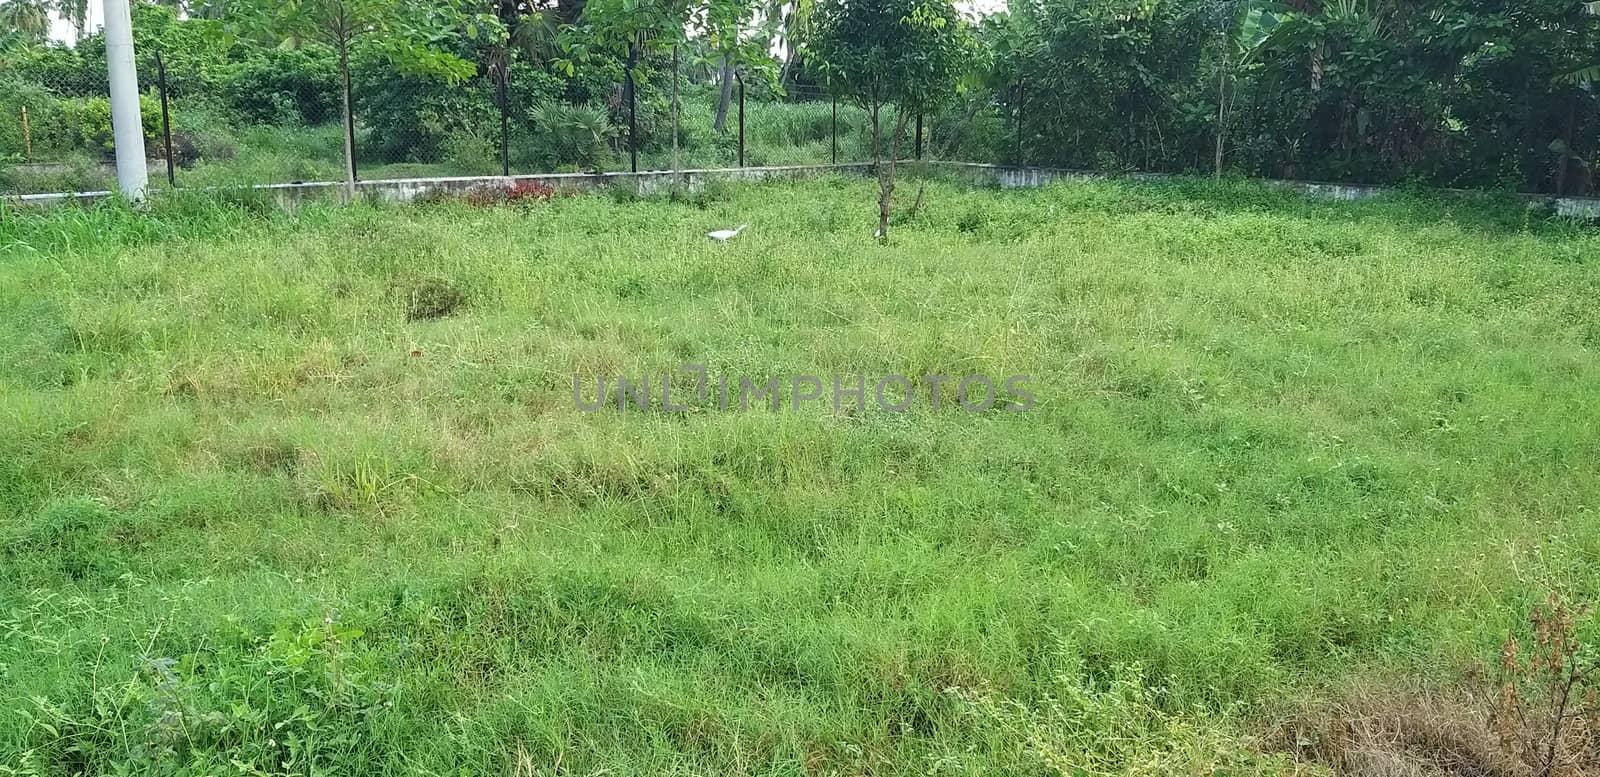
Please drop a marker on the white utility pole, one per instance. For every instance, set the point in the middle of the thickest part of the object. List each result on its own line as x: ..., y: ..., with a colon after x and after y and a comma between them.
x: 133, y: 176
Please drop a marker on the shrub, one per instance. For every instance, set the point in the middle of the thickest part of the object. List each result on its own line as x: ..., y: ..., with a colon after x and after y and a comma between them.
x: 415, y: 118
x: 285, y: 86
x: 409, y: 118
x: 43, y: 109
x: 86, y: 124
x: 433, y: 298
x: 66, y: 72
x: 530, y: 191
x: 467, y: 152
x: 1548, y: 711
x: 570, y: 136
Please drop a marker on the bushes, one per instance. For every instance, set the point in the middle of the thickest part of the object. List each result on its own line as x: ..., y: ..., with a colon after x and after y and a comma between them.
x: 569, y: 136
x: 62, y: 126
x: 285, y: 86
x: 62, y: 71
x: 1124, y: 75
x: 15, y: 95
x: 86, y: 124
x: 1458, y: 93
x: 418, y: 119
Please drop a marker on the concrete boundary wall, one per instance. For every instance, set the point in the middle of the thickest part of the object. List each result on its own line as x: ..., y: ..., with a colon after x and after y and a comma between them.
x: 408, y: 189
x: 1030, y: 177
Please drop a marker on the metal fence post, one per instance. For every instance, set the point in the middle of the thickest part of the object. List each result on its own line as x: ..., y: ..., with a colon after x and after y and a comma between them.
x: 741, y: 120
x: 633, y: 118
x: 919, y: 136
x: 836, y: 129
x: 505, y: 119
x: 166, y: 119
x: 1021, y: 96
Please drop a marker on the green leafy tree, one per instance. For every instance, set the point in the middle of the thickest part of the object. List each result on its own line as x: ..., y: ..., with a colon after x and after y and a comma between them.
x: 417, y: 37
x: 629, y: 30
x: 28, y: 19
x: 907, y: 53
x: 739, y: 50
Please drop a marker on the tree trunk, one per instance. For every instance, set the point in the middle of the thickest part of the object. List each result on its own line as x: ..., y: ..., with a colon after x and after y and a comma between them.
x: 1318, y: 54
x: 1222, y: 117
x: 1566, y: 143
x: 568, y: 11
x: 349, y: 122
x: 80, y: 20
x: 721, y: 123
x: 675, y: 109
x: 886, y: 176
x: 877, y: 170
x: 952, y: 142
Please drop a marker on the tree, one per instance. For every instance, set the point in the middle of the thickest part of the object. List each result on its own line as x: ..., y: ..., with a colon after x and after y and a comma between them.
x: 29, y: 19
x: 412, y: 33
x: 629, y: 29
x: 793, y: 16
x: 909, y: 53
x: 725, y: 23
x: 76, y: 12
x: 1257, y: 24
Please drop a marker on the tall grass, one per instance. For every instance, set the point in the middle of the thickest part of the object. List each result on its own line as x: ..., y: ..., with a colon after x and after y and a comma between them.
x: 256, y: 514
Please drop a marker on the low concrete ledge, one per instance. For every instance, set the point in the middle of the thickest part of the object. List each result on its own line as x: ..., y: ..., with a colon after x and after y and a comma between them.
x: 408, y: 189
x: 649, y: 182
x: 1030, y: 177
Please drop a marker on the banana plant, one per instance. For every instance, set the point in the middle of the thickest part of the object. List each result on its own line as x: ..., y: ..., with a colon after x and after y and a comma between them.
x: 1257, y: 30
x: 1591, y: 73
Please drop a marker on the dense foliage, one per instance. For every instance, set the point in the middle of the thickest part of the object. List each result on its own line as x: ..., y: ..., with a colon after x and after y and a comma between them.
x: 1449, y: 92
x: 1469, y: 93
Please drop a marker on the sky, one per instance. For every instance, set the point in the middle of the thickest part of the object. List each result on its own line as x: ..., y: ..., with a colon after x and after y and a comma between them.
x: 983, y: 7
x: 62, y: 30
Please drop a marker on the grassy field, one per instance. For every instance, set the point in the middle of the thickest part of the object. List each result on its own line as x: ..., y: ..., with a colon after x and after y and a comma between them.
x: 295, y: 493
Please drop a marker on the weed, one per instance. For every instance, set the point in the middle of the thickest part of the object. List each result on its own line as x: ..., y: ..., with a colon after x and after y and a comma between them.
x: 530, y: 191
x: 433, y: 298
x: 1084, y: 728
x: 1548, y: 711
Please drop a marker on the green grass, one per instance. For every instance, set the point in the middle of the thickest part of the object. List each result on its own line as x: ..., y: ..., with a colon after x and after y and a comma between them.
x: 253, y: 516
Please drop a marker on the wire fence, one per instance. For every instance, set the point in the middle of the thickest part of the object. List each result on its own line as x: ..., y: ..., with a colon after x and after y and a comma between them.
x: 281, y: 121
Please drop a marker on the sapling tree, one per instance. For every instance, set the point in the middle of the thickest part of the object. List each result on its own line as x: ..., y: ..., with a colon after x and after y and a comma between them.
x: 412, y: 34
x: 907, y: 53
x: 739, y: 50
x: 1242, y: 45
